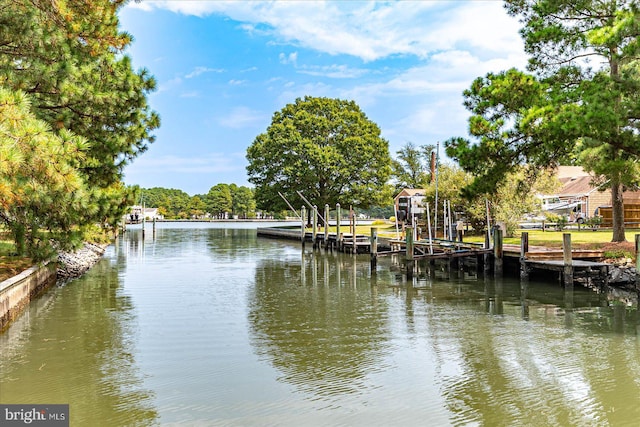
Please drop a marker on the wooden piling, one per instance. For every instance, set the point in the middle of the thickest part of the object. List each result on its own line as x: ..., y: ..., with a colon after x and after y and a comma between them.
x: 409, y: 254
x: 338, y: 234
x: 326, y: 226
x: 498, y: 262
x: 314, y: 225
x: 487, y: 256
x: 567, y: 259
x: 374, y: 248
x: 303, y: 215
x: 524, y: 248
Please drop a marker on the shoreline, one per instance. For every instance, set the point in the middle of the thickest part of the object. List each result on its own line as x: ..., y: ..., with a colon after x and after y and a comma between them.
x: 72, y: 265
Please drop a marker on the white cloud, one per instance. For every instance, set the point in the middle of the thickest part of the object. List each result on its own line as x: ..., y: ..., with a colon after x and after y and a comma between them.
x: 241, y: 117
x: 333, y: 71
x: 292, y: 58
x: 201, y: 70
x: 368, y: 30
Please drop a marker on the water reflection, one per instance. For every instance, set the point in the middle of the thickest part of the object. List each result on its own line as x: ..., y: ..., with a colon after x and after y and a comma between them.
x: 76, y: 345
x: 319, y: 322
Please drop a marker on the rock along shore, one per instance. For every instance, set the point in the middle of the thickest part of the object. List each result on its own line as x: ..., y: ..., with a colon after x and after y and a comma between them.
x: 72, y: 265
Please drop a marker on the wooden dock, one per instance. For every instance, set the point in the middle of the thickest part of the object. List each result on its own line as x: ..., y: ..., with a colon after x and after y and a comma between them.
x: 569, y: 264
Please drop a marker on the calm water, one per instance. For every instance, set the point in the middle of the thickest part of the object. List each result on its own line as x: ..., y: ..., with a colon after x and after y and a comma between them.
x: 204, y: 325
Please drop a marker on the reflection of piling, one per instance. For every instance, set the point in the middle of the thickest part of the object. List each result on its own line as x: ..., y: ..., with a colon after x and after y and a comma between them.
x: 567, y: 259
x: 409, y: 255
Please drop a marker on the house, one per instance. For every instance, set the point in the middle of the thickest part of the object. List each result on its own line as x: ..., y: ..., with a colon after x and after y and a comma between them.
x: 578, y: 196
x: 138, y: 213
x: 409, y: 202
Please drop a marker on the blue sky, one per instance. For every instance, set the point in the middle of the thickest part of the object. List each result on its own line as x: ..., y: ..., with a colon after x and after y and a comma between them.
x: 223, y: 69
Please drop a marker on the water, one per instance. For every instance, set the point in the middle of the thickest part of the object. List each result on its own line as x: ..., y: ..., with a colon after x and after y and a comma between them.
x: 206, y: 325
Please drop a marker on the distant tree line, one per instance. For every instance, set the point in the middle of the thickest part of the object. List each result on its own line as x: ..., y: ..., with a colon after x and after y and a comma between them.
x: 222, y: 201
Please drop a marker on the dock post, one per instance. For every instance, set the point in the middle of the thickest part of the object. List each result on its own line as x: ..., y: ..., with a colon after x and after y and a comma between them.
x: 326, y: 227
x: 143, y: 226
x: 353, y: 232
x: 497, y: 251
x: 374, y: 248
x: 338, y: 234
x: 409, y: 253
x: 567, y: 259
x: 314, y: 225
x: 524, y: 248
x: 303, y: 234
x: 154, y: 227
x: 487, y: 245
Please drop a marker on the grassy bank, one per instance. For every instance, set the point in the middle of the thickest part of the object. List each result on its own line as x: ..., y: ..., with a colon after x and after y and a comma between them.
x: 10, y: 265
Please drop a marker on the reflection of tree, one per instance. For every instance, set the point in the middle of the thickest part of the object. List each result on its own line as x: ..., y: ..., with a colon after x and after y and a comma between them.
x: 78, y: 350
x: 325, y: 335
x: 499, y: 369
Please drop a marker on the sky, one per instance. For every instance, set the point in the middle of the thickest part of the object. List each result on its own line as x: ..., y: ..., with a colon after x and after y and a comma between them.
x: 224, y: 68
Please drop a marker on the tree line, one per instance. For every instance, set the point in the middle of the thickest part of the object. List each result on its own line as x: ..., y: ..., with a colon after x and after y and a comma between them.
x: 222, y: 200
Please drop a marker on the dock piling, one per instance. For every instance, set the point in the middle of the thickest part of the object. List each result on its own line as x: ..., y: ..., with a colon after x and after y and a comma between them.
x: 524, y: 248
x: 326, y: 226
x: 303, y: 215
x: 314, y: 225
x: 567, y: 259
x: 497, y: 251
x: 338, y: 234
x: 409, y: 255
x: 374, y: 248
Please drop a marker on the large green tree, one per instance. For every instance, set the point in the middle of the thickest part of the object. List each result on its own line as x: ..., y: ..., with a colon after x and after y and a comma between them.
x: 325, y: 148
x: 582, y: 104
x: 219, y: 200
x: 68, y: 56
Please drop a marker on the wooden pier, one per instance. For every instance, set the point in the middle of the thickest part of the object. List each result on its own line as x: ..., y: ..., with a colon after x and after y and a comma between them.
x: 570, y: 265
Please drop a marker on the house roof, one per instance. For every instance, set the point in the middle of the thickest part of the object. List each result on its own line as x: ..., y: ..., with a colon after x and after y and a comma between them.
x: 576, y: 186
x: 411, y: 192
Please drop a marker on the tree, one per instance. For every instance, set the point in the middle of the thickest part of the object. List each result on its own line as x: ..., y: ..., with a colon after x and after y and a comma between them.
x: 568, y: 111
x: 174, y: 203
x: 42, y: 194
x: 197, y: 207
x: 327, y: 149
x: 68, y: 57
x: 242, y: 200
x: 219, y: 200
x: 411, y: 168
